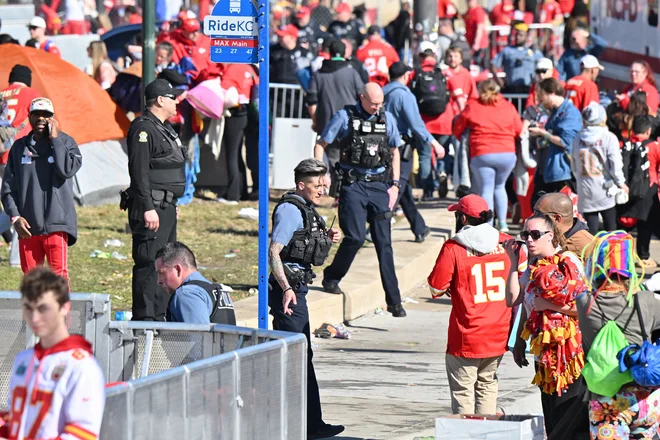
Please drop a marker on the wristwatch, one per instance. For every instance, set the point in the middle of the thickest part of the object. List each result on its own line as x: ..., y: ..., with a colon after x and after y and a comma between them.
x: 396, y: 183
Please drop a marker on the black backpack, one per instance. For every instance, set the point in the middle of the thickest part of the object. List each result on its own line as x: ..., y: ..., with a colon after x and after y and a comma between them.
x: 430, y: 89
x: 636, y: 168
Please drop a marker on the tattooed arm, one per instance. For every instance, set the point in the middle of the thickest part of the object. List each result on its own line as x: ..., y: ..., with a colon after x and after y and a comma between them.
x: 276, y: 265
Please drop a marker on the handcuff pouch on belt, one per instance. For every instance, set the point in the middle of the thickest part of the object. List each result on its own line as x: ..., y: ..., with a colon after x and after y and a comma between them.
x: 296, y: 276
x: 124, y: 198
x: 163, y: 197
x: 406, y: 150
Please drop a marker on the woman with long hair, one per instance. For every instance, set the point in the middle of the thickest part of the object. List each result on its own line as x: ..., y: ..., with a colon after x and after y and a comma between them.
x: 643, y: 80
x: 613, y: 285
x: 548, y: 290
x: 622, y: 120
x: 494, y: 125
x: 101, y: 69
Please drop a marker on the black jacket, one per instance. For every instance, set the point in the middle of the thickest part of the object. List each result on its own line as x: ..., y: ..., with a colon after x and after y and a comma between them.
x: 334, y: 86
x: 284, y: 63
x: 38, y: 184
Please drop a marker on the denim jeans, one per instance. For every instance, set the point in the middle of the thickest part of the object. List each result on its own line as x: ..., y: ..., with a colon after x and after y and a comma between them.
x: 446, y: 164
x: 425, y: 167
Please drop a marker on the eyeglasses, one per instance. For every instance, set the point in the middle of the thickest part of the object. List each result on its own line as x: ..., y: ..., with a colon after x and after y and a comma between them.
x: 541, y: 71
x: 535, y: 234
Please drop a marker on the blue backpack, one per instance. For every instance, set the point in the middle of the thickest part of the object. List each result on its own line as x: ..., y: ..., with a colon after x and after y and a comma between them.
x: 643, y: 362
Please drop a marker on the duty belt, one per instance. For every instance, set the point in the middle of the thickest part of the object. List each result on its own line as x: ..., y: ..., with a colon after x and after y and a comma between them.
x: 351, y: 175
x: 163, y: 196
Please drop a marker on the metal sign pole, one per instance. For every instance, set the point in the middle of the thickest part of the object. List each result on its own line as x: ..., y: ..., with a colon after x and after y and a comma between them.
x: 264, y: 153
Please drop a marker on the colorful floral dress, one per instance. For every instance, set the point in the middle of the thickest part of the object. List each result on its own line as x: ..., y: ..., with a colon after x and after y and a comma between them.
x: 633, y: 413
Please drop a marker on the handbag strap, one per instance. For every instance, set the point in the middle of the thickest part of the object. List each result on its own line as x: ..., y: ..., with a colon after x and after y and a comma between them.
x: 641, y: 320
x: 602, y: 163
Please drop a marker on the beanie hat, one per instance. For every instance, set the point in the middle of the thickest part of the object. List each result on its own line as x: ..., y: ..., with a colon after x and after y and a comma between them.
x: 594, y: 114
x: 20, y: 73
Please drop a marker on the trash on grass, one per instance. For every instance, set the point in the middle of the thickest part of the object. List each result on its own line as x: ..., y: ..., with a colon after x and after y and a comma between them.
x: 249, y: 213
x: 117, y: 256
x: 99, y: 254
x: 327, y: 331
x: 232, y: 255
x: 113, y: 243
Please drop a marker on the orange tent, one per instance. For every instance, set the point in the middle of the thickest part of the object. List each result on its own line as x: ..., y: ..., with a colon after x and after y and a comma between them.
x: 84, y: 110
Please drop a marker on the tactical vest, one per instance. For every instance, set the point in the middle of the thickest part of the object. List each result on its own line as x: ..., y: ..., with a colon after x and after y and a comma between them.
x: 223, y: 307
x: 168, y: 170
x: 367, y: 144
x: 310, y: 245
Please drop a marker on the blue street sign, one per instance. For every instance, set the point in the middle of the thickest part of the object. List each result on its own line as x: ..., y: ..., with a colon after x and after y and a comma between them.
x: 234, y: 32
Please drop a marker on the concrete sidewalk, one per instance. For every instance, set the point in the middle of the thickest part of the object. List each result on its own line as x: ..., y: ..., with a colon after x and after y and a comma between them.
x: 389, y: 380
x: 362, y: 286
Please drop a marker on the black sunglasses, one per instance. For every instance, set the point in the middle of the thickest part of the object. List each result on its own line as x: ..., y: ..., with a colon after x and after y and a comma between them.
x: 535, y: 234
x: 541, y: 71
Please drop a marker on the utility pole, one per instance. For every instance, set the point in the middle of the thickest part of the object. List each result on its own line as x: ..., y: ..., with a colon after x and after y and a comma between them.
x: 425, y: 20
x: 148, y: 43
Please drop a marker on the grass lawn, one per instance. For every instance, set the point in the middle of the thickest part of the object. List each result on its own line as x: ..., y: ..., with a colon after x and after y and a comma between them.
x: 212, y: 230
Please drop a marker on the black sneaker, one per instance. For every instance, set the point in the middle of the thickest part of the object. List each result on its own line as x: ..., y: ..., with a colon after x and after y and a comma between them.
x: 326, y: 431
x: 443, y: 189
x: 462, y: 191
x: 397, y: 311
x: 419, y: 238
x: 331, y: 287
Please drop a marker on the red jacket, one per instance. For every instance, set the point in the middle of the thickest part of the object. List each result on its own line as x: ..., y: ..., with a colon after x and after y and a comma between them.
x: 651, y: 96
x: 582, y: 91
x: 493, y: 128
x: 197, y: 51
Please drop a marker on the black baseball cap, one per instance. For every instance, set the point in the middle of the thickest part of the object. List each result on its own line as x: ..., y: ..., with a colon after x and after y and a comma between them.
x: 373, y: 30
x: 398, y: 69
x: 160, y: 87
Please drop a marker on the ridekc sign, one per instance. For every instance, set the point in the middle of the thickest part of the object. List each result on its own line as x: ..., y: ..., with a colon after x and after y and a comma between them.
x: 234, y: 32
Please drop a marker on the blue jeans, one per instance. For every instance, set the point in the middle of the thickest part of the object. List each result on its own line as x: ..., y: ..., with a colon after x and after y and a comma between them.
x: 489, y: 174
x: 425, y: 167
x: 446, y: 164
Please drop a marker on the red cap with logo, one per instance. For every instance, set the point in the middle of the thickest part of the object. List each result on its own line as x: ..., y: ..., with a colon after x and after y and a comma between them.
x: 190, y: 25
x: 472, y: 205
x: 289, y: 29
x: 343, y: 7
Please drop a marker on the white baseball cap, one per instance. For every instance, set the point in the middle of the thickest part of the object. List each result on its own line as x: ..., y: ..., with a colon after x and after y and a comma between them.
x: 544, y: 64
x: 37, y: 22
x: 427, y: 45
x: 590, y: 61
x: 42, y: 104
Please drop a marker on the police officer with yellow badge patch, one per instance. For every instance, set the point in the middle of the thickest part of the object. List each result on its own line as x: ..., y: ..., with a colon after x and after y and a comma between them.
x: 156, y: 164
x: 518, y: 61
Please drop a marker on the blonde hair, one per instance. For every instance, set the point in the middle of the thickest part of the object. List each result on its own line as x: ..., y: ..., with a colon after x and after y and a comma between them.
x: 489, y: 92
x: 99, y: 55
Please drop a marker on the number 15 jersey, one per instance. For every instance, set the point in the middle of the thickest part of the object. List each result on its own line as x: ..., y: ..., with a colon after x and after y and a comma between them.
x: 55, y: 393
x: 473, y: 267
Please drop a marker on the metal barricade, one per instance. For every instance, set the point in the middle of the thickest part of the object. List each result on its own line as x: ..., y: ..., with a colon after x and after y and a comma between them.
x: 90, y: 314
x: 255, y: 392
x: 518, y: 100
x: 287, y: 101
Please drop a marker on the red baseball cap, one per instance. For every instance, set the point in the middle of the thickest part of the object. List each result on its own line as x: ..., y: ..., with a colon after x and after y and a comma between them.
x: 289, y: 29
x: 190, y: 25
x: 343, y: 7
x: 472, y: 205
x: 303, y: 11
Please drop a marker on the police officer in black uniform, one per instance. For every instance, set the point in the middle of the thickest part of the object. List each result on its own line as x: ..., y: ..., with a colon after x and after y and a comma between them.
x: 345, y: 27
x: 156, y: 165
x: 299, y: 241
x: 368, y: 173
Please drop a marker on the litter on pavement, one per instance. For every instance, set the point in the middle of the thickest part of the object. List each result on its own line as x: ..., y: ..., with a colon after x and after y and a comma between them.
x: 327, y: 331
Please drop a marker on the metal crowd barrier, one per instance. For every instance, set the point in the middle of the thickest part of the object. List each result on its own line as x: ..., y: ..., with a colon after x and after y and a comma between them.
x: 255, y: 392
x: 90, y: 315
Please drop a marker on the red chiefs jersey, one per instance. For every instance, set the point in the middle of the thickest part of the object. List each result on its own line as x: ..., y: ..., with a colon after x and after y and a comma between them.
x: 582, y: 91
x: 18, y: 100
x: 550, y: 11
x: 480, y: 320
x: 377, y: 56
x: 473, y: 18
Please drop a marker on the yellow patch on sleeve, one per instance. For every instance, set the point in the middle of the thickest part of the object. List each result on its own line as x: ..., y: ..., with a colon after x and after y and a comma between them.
x: 142, y: 137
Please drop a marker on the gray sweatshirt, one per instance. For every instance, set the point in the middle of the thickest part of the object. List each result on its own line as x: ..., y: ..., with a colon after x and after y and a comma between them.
x: 597, y: 165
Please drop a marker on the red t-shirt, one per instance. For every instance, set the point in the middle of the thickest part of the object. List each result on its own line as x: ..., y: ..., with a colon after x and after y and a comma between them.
x: 500, y: 15
x: 18, y: 100
x: 550, y: 10
x: 460, y: 84
x: 582, y: 91
x: 446, y: 9
x: 472, y: 19
x: 493, y: 128
x: 241, y: 76
x: 377, y: 57
x: 50, y: 47
x: 566, y: 6
x: 651, y: 96
x: 480, y: 320
x: 653, y: 149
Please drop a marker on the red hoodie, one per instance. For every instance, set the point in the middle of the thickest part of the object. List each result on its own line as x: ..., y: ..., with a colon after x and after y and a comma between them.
x: 493, y: 128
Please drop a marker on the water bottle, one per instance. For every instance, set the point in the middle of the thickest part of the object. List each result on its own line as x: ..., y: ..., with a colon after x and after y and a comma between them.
x: 123, y: 315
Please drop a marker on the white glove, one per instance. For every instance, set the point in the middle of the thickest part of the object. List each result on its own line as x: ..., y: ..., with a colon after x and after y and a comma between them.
x: 653, y: 284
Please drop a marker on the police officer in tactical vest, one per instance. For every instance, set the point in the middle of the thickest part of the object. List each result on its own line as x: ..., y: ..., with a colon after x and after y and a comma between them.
x: 368, y: 180
x: 300, y: 240
x: 156, y: 165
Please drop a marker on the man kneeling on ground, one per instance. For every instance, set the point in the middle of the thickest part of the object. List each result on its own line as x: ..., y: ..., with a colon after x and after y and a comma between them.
x: 194, y: 300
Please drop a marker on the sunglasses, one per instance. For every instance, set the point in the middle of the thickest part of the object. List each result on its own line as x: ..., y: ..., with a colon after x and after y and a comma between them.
x: 541, y: 71
x: 535, y: 234
x: 33, y: 28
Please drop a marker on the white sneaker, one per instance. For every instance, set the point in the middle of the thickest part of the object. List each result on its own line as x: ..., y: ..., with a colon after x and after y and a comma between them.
x: 226, y: 202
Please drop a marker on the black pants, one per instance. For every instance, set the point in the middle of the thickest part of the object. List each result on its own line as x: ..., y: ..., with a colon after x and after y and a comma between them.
x: 233, y: 144
x: 609, y: 220
x: 252, y: 148
x: 646, y: 229
x: 567, y: 416
x: 298, y: 323
x: 149, y: 299
x: 359, y: 203
x: 407, y: 203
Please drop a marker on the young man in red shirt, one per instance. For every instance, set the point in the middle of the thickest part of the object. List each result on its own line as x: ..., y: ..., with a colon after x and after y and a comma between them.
x: 377, y: 56
x: 37, y: 28
x: 581, y: 89
x: 475, y: 29
x: 472, y: 269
